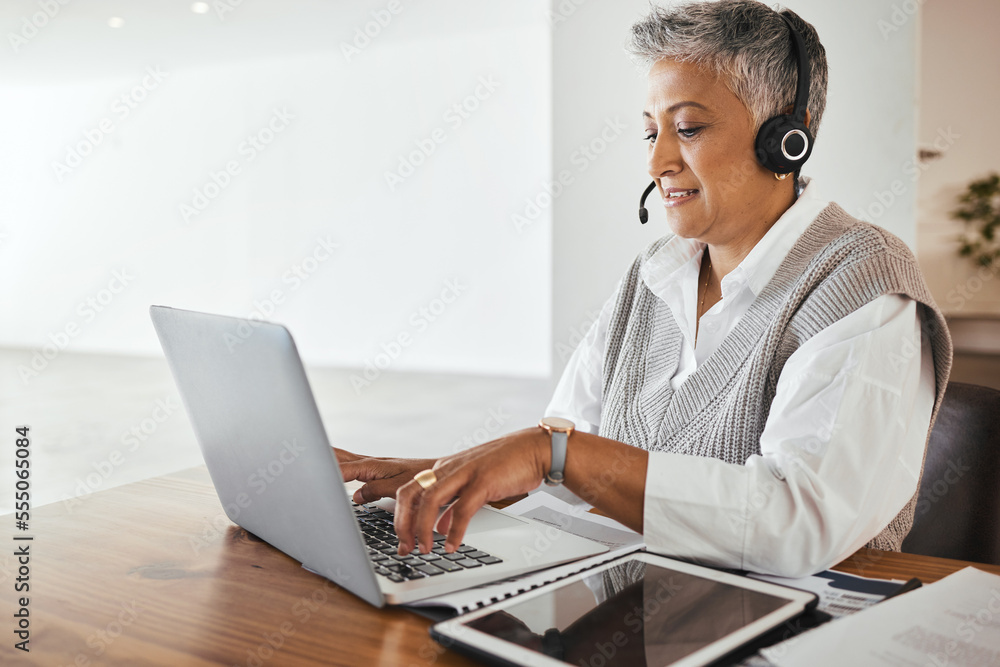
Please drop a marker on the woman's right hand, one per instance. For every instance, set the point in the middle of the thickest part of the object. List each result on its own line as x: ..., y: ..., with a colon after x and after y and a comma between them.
x: 382, y: 476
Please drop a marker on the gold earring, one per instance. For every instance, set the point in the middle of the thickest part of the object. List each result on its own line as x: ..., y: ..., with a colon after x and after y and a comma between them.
x: 781, y: 177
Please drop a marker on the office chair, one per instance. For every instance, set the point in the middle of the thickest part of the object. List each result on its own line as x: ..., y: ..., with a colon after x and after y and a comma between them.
x: 958, y: 507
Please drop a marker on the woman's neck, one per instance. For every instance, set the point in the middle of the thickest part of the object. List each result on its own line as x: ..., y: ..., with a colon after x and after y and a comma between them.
x: 728, y: 254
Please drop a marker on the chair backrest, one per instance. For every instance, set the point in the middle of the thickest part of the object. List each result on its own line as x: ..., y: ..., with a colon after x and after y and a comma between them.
x: 958, y: 507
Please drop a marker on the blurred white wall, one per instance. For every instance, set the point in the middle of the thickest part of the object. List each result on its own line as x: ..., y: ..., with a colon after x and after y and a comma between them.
x: 528, y: 204
x: 344, y: 168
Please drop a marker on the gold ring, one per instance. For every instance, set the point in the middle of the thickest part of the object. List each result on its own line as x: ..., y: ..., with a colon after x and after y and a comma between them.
x: 426, y: 478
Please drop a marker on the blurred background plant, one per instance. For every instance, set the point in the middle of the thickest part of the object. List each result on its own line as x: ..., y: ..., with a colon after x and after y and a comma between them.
x: 980, y: 211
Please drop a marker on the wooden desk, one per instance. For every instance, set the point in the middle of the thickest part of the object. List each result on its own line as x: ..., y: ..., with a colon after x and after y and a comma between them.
x: 153, y: 573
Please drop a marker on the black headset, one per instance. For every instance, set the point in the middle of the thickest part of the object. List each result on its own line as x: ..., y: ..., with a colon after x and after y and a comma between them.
x: 783, y: 143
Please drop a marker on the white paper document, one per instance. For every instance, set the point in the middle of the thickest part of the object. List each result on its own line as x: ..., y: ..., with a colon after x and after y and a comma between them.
x: 840, y: 594
x: 576, y: 519
x: 953, y: 622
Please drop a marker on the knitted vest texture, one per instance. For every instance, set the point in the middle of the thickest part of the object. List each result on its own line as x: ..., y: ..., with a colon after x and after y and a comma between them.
x: 838, y: 265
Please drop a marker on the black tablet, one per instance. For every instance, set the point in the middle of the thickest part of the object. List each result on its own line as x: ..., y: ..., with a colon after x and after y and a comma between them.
x: 639, y: 610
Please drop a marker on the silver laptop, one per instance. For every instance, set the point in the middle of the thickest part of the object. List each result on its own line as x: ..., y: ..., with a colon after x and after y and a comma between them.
x: 256, y: 420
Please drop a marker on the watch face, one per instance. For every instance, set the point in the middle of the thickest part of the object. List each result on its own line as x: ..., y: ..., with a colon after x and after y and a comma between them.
x: 558, y: 423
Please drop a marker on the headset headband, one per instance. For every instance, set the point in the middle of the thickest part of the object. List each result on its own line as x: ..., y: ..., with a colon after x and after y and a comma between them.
x: 802, y: 88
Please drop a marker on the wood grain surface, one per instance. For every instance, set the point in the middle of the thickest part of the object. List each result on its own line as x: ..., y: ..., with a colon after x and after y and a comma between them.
x: 895, y: 565
x: 154, y: 573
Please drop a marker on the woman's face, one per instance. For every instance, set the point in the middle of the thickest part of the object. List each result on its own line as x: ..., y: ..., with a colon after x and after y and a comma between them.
x: 701, y: 155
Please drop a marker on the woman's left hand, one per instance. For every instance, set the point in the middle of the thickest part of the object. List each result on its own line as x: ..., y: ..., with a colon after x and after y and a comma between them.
x: 508, y: 466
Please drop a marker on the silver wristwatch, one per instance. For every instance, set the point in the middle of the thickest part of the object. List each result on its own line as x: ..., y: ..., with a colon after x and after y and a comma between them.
x: 559, y: 430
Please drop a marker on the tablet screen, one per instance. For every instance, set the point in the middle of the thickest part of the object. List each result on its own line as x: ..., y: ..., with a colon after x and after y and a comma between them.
x: 631, y: 614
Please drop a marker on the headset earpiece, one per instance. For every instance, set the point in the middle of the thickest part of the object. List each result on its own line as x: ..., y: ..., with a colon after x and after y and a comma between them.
x: 784, y: 143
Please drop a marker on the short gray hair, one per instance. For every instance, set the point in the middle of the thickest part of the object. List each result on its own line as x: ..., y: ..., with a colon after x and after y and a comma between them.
x: 746, y: 43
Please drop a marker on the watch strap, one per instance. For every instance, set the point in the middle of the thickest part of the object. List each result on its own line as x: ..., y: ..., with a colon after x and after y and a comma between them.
x: 557, y: 470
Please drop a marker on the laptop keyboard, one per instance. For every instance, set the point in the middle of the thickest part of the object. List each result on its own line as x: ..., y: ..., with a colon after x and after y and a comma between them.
x: 380, y: 538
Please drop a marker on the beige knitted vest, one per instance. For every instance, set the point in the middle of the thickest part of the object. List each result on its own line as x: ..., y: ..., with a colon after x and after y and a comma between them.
x: 838, y: 265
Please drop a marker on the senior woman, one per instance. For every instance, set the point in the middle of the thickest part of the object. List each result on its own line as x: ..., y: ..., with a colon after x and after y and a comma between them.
x: 758, y: 392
